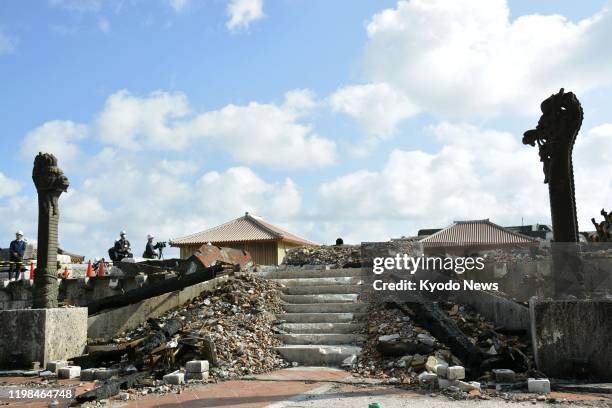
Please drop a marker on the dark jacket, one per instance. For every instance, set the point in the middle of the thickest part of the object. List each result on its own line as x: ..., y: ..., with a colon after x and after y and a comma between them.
x: 122, y: 246
x: 150, y: 251
x: 18, y: 249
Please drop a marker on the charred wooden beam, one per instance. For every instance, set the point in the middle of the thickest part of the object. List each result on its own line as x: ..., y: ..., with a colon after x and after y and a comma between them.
x: 156, y: 289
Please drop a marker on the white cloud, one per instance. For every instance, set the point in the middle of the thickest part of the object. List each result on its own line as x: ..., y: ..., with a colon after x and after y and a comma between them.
x: 377, y: 107
x: 179, y: 5
x: 239, y: 189
x: 8, y: 44
x: 243, y: 12
x: 136, y: 123
x: 466, y: 57
x: 477, y: 173
x: 256, y: 133
x: 592, y: 165
x: 58, y: 137
x: 8, y: 187
x: 104, y: 25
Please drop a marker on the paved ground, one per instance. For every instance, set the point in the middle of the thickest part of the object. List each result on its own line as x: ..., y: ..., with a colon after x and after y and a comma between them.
x: 320, y: 387
x: 303, y: 387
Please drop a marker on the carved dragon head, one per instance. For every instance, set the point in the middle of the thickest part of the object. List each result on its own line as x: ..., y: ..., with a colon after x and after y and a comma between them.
x: 47, y: 176
x: 557, y: 128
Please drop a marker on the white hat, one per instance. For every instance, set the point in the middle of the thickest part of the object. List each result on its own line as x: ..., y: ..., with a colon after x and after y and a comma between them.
x: 19, y: 233
x: 150, y: 236
x: 123, y: 233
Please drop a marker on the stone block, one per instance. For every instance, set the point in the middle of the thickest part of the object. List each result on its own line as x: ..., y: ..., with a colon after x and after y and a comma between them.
x: 538, y: 385
x: 432, y: 362
x: 175, y: 378
x: 196, y: 376
x: 504, y: 375
x: 441, y: 370
x: 106, y: 373
x: 69, y: 372
x: 425, y: 339
x: 55, y: 365
x: 427, y: 378
x: 88, y: 374
x: 42, y: 335
x: 468, y: 386
x: 196, y: 366
x: 455, y: 373
x: 443, y: 383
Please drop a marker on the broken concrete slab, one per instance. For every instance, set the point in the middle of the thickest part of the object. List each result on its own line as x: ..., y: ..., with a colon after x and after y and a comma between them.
x: 175, y: 378
x: 538, y: 385
x: 41, y: 335
x: 455, y: 373
x: 197, y: 366
x: 69, y: 372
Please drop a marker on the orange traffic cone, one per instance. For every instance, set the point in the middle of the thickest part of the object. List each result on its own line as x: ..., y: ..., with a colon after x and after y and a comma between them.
x: 90, y: 273
x: 66, y: 272
x: 101, y: 269
x: 31, y: 271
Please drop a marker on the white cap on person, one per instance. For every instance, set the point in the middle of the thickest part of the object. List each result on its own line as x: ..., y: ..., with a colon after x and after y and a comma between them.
x: 123, y: 233
x: 20, y: 232
x: 150, y: 236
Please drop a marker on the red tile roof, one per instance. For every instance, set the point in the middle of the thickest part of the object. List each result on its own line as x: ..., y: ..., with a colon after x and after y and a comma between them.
x: 476, y: 232
x: 245, y: 228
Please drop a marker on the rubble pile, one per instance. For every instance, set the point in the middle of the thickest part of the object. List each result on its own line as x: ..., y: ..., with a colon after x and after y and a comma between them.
x: 394, y: 348
x: 231, y: 327
x: 336, y: 256
x: 397, y: 349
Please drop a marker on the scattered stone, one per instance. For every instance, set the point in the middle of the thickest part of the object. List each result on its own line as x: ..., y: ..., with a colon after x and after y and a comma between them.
x: 441, y: 370
x: 426, y: 339
x: 174, y: 378
x: 68, y: 372
x: 455, y: 373
x: 54, y: 365
x: 538, y: 385
x: 432, y: 362
x: 338, y: 256
x: 201, y: 376
x: 468, y: 386
x: 504, y: 375
x: 389, y: 338
x: 427, y: 378
x: 196, y: 366
x: 124, y: 396
x: 443, y: 383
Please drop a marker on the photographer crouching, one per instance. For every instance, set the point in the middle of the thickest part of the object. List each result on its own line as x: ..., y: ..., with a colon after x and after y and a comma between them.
x: 153, y: 251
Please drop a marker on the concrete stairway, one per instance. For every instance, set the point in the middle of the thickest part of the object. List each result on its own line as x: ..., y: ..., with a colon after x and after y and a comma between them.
x: 320, y: 308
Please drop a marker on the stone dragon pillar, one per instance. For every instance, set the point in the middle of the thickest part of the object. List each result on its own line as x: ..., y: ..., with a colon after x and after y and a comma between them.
x: 50, y: 183
x: 555, y: 135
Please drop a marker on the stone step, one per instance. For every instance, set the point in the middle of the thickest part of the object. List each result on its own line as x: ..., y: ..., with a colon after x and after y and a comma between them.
x: 318, y: 317
x: 345, y: 280
x: 318, y: 355
x: 324, y: 339
x: 318, y: 290
x: 314, y: 273
x: 321, y: 298
x: 331, y: 328
x: 325, y: 307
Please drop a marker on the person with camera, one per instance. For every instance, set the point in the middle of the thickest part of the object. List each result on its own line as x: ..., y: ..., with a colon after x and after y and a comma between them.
x: 153, y: 251
x: 121, y: 249
x: 17, y: 251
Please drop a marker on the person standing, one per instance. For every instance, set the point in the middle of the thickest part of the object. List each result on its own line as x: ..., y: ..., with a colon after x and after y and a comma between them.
x: 17, y: 252
x: 150, y: 251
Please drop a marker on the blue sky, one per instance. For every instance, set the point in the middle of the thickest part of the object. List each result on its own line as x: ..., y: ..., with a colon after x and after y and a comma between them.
x: 361, y: 119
